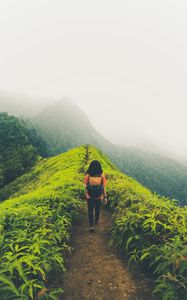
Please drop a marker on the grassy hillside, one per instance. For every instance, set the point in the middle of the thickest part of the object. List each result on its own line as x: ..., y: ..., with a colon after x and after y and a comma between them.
x: 17, y: 153
x: 64, y: 126
x: 35, y: 224
x: 150, y: 230
x: 20, y: 147
x: 160, y: 174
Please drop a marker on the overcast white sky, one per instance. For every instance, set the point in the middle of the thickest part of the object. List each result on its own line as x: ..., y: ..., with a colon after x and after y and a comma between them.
x: 124, y: 62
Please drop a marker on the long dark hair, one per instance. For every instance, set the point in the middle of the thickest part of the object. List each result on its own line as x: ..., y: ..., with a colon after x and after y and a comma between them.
x: 95, y: 168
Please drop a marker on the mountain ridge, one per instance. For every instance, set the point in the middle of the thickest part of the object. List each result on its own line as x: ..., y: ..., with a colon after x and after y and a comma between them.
x: 161, y: 174
x: 63, y: 126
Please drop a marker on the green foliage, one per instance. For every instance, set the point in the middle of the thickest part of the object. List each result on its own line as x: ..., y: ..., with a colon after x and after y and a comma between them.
x: 35, y: 138
x: 35, y: 226
x: 149, y: 230
x: 64, y: 126
x: 17, y: 154
x: 161, y: 174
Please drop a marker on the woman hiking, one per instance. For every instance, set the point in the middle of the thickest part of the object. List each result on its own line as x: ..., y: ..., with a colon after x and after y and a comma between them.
x: 95, y: 183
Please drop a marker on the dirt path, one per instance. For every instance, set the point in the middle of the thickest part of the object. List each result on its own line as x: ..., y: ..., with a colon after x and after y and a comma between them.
x: 96, y: 271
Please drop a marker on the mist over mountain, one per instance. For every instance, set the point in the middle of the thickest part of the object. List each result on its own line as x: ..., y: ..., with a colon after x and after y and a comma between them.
x: 22, y: 105
x: 124, y: 64
x: 63, y: 125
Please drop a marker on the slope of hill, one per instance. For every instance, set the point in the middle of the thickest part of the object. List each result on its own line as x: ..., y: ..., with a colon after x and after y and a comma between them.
x: 20, y: 147
x: 64, y: 126
x: 160, y: 174
x: 34, y: 225
x: 17, y: 153
x: 42, y: 204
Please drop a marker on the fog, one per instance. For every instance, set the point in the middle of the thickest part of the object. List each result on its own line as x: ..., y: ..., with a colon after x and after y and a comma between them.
x: 123, y: 62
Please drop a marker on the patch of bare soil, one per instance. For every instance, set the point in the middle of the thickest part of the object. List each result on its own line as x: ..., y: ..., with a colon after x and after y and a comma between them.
x: 97, y: 272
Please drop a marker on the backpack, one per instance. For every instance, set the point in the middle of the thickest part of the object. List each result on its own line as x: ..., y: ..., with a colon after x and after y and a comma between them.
x: 95, y: 190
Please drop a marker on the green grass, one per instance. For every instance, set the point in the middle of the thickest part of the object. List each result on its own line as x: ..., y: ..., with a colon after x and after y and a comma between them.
x: 35, y: 227
x: 150, y: 230
x: 35, y: 223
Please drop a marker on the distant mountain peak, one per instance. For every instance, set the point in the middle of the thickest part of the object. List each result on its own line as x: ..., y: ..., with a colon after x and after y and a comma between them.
x: 65, y: 100
x: 64, y: 103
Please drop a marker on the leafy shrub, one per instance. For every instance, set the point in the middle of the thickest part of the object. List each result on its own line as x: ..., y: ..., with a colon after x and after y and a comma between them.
x: 17, y: 153
x: 35, y: 226
x: 35, y: 223
x: 150, y: 230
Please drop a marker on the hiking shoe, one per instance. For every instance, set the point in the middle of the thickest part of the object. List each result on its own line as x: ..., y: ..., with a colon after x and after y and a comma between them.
x: 91, y: 228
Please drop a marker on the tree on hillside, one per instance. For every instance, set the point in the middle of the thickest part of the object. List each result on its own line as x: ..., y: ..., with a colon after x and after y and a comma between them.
x: 17, y: 154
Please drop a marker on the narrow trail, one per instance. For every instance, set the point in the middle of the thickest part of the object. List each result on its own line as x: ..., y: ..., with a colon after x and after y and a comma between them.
x: 97, y: 272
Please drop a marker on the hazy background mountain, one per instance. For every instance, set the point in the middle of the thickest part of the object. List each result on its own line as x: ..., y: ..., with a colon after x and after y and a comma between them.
x: 127, y: 73
x: 63, y: 125
x: 22, y: 105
